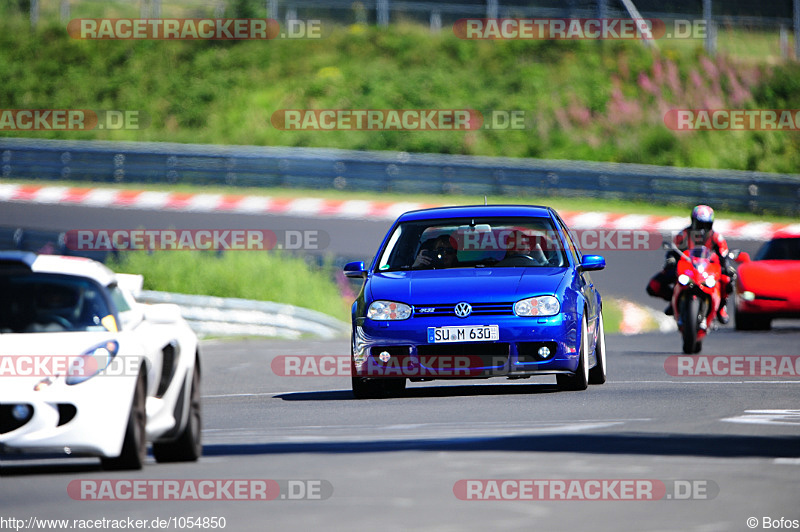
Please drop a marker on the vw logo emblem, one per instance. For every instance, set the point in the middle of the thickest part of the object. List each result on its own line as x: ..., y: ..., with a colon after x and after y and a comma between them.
x: 463, y: 310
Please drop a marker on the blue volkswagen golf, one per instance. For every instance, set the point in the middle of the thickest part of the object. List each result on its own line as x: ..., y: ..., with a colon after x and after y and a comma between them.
x: 476, y: 292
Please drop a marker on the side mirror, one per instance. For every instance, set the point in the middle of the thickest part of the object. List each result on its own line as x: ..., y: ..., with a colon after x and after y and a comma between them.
x: 592, y: 262
x: 355, y: 270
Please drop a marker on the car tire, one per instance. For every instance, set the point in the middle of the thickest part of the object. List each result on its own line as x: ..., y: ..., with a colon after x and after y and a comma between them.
x: 580, y: 379
x: 749, y: 322
x: 188, y: 447
x: 377, y: 388
x: 597, y: 375
x: 134, y: 446
x: 394, y: 387
x: 365, y: 389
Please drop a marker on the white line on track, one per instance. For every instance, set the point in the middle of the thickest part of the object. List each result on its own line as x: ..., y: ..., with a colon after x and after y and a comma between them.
x: 399, y: 432
x: 767, y: 417
x: 796, y: 381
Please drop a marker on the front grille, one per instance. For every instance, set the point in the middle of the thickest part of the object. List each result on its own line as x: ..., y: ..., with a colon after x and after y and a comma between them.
x: 440, y: 310
x: 9, y: 422
x: 478, y: 354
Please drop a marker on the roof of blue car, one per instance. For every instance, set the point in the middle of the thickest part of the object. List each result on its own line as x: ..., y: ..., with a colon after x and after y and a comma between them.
x: 476, y: 210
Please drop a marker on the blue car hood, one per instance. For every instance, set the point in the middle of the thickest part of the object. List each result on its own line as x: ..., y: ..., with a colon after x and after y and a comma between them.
x: 475, y: 285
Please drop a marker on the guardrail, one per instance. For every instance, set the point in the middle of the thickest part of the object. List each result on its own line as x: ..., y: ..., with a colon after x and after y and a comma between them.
x: 207, y: 315
x: 217, y: 316
x: 172, y: 163
x: 47, y: 242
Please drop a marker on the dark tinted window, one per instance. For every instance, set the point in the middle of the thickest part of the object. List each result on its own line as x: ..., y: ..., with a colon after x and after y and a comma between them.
x: 36, y: 302
x: 780, y: 249
x: 473, y: 243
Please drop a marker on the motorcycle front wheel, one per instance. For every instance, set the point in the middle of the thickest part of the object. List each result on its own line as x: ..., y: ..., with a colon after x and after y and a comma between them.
x: 690, y: 318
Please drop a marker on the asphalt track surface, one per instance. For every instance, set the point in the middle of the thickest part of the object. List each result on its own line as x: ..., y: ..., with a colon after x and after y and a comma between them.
x: 392, y: 464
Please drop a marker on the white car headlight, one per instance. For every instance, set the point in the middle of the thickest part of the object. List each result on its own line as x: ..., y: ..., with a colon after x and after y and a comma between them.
x: 388, y: 310
x: 537, y: 306
x: 92, y: 362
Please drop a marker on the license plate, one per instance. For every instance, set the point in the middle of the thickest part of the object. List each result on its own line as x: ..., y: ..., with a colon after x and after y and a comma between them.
x: 474, y: 333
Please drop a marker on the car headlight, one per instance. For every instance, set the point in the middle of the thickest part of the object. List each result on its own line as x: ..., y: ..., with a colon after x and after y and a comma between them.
x: 710, y: 282
x: 93, y: 361
x: 388, y: 310
x: 684, y: 279
x: 537, y: 306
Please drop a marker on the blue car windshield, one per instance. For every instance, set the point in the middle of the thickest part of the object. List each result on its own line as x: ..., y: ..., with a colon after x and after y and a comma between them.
x: 473, y: 243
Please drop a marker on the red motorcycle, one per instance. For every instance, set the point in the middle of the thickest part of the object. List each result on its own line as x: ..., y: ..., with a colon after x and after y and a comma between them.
x: 696, y: 296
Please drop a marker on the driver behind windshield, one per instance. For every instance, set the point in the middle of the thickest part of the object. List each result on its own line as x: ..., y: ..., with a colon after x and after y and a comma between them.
x: 56, y: 307
x: 522, y: 245
x: 439, y: 252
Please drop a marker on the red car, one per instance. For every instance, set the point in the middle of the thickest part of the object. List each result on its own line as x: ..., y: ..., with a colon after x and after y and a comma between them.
x: 768, y: 287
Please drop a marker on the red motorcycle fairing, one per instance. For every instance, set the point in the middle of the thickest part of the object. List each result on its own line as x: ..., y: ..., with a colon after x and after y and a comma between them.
x: 699, y: 279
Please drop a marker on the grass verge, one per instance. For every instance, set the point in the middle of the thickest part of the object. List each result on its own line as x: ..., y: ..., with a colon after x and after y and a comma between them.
x: 269, y: 276
x: 612, y: 315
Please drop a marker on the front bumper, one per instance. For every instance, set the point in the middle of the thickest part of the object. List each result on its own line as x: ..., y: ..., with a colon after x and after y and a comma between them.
x: 769, y: 307
x: 89, y: 418
x: 402, y: 349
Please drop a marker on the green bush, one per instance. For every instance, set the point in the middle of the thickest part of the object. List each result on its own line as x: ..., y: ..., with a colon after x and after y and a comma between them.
x: 585, y: 99
x: 262, y: 276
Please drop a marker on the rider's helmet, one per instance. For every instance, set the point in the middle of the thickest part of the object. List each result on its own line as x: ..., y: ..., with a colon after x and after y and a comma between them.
x: 702, y: 219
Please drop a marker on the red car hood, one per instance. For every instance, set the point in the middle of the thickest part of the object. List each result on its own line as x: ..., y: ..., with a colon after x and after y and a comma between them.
x: 773, y: 278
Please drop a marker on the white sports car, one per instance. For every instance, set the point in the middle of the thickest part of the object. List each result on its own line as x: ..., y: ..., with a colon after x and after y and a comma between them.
x: 86, y: 370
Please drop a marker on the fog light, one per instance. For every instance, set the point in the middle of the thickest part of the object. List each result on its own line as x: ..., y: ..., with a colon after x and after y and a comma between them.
x: 21, y: 412
x: 384, y: 356
x: 544, y: 352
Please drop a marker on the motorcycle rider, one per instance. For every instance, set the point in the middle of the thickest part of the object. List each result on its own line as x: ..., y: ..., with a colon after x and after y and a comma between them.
x: 698, y: 233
